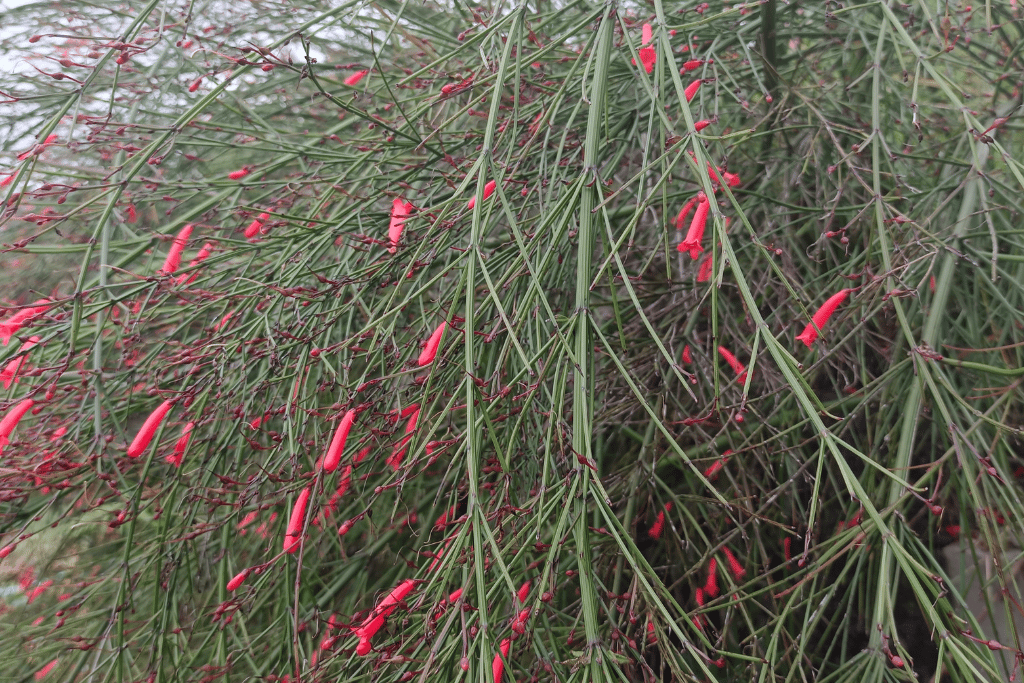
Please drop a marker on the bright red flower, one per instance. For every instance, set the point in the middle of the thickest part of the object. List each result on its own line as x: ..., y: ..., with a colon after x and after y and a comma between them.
x: 735, y: 567
x: 821, y: 316
x: 20, y: 318
x: 696, y: 232
x: 704, y: 271
x: 180, y: 446
x: 738, y: 367
x: 257, y: 225
x: 239, y: 174
x: 149, y: 427
x: 187, y: 278
x: 173, y: 259
x: 356, y: 77
x: 400, y: 210
x: 691, y: 90
x: 433, y: 343
x: 693, y: 65
x: 238, y: 580
x: 488, y: 191
x: 9, y: 374
x: 498, y: 665
x: 293, y: 532
x: 337, y: 447
x: 685, y: 211
x: 711, y: 586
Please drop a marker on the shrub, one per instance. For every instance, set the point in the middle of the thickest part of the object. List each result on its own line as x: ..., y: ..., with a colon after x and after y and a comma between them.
x: 409, y: 341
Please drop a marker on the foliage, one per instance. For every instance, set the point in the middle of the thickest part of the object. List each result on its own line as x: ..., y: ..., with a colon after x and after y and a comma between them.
x: 580, y: 429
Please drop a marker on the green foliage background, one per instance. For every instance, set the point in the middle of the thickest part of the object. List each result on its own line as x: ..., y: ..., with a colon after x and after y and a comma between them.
x: 561, y: 415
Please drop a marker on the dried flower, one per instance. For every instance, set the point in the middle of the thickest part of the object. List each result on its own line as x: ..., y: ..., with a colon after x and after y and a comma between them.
x: 148, y: 429
x: 821, y: 316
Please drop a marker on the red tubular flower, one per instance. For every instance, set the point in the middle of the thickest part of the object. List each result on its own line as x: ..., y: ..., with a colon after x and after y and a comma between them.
x: 685, y: 211
x: 698, y: 595
x: 498, y: 665
x: 687, y: 357
x: 691, y: 90
x: 50, y: 139
x: 337, y: 446
x: 701, y: 125
x: 293, y: 532
x: 711, y: 586
x: 693, y: 65
x: 356, y: 77
x: 257, y: 225
x: 193, y: 86
x: 704, y: 270
x: 201, y: 256
x: 41, y: 674
x: 346, y: 481
x: 399, y: 212
x: 646, y: 35
x: 9, y: 179
x: 524, y: 591
x: 696, y: 232
x: 149, y: 427
x: 738, y: 367
x: 395, y: 459
x: 238, y: 580
x: 19, y: 319
x: 456, y: 594
x: 735, y: 567
x: 821, y: 316
x: 659, y: 524
x: 239, y: 174
x: 648, y: 55
x: 173, y: 259
x: 9, y: 374
x: 711, y: 473
x: 430, y: 349
x: 787, y: 548
x: 488, y: 191
x: 376, y: 618
x: 182, y: 444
